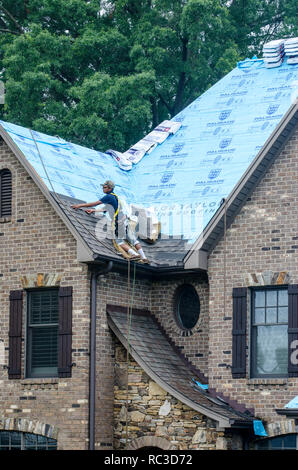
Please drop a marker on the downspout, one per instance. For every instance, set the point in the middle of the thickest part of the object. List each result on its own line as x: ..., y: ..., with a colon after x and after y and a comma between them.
x: 92, y: 378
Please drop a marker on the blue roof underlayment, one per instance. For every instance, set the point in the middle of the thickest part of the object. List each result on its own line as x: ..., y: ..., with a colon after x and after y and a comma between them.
x: 186, y: 176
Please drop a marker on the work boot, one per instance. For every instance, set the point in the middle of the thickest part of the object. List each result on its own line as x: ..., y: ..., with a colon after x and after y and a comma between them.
x: 135, y: 257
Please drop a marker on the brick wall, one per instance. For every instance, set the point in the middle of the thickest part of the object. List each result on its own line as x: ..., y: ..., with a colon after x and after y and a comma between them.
x: 262, y: 239
x: 112, y: 289
x: 194, y: 343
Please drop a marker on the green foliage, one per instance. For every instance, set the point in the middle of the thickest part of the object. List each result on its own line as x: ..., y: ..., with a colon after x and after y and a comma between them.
x: 110, y: 110
x: 103, y: 76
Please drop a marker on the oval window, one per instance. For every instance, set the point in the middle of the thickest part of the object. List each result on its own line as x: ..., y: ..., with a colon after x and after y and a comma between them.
x: 187, y: 306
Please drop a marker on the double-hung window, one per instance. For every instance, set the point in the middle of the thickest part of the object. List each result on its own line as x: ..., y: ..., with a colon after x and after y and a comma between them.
x: 42, y: 333
x: 269, y: 332
x: 48, y: 334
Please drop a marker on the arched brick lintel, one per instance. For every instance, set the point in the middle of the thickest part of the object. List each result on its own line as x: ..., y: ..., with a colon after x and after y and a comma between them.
x: 28, y: 425
x: 150, y: 441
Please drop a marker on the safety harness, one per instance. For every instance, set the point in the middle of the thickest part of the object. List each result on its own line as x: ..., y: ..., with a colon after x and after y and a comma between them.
x: 118, y: 248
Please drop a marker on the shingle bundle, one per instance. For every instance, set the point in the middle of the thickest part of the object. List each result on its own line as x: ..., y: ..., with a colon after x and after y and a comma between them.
x: 145, y: 145
x: 151, y: 140
x: 291, y: 50
x: 273, y: 53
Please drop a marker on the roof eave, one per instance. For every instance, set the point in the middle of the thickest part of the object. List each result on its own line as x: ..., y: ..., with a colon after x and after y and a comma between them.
x: 145, y: 270
x: 289, y: 412
x: 223, y: 422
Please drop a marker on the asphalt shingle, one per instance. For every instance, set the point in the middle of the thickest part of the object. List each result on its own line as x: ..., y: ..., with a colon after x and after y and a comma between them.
x: 149, y: 346
x: 165, y: 252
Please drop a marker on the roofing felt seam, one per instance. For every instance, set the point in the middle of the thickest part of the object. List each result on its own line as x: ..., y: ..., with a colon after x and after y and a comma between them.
x: 221, y: 133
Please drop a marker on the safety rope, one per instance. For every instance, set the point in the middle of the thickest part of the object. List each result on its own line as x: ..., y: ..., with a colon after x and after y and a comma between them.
x: 130, y: 295
x: 130, y: 298
x: 127, y: 349
x: 63, y: 204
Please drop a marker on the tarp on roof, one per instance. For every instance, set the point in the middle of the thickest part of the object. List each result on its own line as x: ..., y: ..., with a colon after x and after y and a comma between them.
x: 73, y: 170
x: 186, y: 177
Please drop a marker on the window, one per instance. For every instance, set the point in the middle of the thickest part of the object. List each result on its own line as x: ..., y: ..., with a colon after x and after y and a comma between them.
x: 269, y: 333
x: 42, y: 333
x: 187, y: 306
x: 48, y: 333
x: 286, y: 442
x: 13, y: 440
x: 5, y: 193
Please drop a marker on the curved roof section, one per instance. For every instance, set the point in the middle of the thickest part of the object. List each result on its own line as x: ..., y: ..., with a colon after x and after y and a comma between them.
x: 159, y: 358
x: 186, y: 177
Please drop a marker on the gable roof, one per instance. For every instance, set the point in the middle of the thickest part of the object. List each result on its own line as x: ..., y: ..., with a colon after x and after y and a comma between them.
x: 227, y: 140
x: 231, y: 206
x: 160, y: 359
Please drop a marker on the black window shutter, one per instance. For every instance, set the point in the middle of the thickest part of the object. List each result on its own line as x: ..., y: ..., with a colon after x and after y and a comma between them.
x: 293, y: 330
x: 5, y: 193
x: 65, y: 332
x: 15, y: 334
x: 239, y: 332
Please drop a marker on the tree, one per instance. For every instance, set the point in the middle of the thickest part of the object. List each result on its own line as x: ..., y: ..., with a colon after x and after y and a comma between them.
x: 259, y: 21
x: 105, y: 76
x: 182, y: 43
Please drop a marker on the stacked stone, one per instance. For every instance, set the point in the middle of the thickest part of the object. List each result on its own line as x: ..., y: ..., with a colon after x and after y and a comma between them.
x: 145, y: 414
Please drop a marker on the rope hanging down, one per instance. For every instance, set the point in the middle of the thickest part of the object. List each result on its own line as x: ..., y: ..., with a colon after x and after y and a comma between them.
x: 130, y: 297
x: 63, y: 204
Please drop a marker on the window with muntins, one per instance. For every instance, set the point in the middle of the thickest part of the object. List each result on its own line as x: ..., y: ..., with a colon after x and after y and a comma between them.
x: 286, y: 442
x: 14, y: 440
x: 42, y: 333
x: 5, y: 193
x: 269, y: 332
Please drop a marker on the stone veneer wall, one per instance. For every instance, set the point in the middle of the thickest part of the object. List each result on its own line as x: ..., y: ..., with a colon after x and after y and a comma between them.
x: 261, y: 249
x: 157, y: 419
x: 111, y: 289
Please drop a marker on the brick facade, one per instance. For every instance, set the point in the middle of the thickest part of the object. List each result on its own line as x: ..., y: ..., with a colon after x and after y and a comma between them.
x: 36, y: 249
x: 193, y: 343
x: 111, y: 289
x: 261, y: 248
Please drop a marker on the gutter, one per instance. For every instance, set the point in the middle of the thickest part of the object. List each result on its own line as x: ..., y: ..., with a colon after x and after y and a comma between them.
x: 155, y: 272
x: 288, y: 412
x: 92, y: 374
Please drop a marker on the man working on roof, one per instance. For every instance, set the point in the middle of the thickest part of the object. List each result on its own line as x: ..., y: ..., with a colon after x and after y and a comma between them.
x: 122, y: 229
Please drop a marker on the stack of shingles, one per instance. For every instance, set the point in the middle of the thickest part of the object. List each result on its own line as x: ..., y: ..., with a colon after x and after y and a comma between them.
x: 145, y: 145
x: 291, y: 50
x: 273, y: 53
